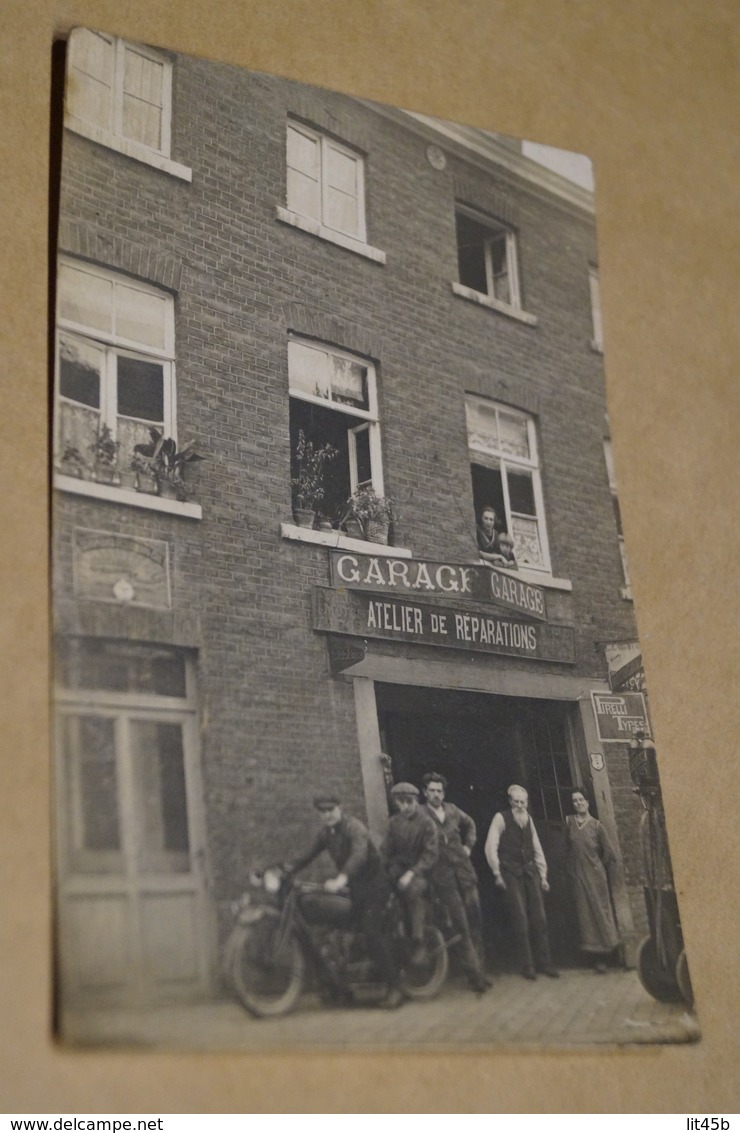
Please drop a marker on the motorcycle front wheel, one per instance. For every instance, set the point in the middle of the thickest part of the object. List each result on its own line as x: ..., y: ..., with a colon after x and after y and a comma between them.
x: 424, y: 981
x: 267, y: 971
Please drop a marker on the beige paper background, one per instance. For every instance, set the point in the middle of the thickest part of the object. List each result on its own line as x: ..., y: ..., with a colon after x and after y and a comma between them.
x: 649, y: 88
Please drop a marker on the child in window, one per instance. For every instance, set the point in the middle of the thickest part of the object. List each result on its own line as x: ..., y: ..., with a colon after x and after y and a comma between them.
x: 505, y: 556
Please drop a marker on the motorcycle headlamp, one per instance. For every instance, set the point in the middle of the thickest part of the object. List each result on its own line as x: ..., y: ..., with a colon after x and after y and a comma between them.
x: 271, y: 880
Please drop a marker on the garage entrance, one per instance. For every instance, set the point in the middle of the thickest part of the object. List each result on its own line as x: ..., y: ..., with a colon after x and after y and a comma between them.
x: 482, y: 743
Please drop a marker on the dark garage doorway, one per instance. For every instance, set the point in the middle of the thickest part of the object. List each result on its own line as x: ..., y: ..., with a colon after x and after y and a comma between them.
x: 482, y: 743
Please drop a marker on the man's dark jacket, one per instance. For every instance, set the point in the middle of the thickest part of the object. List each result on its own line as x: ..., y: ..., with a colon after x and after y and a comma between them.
x: 411, y: 843
x: 351, y: 849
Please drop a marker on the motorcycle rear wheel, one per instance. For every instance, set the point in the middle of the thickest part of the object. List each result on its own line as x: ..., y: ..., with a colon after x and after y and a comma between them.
x: 424, y: 981
x: 267, y: 974
x: 656, y: 980
x: 683, y: 979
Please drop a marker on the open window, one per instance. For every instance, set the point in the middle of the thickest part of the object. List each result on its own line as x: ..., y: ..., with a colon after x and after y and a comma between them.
x: 333, y: 400
x: 609, y: 457
x: 506, y: 476
x: 487, y: 260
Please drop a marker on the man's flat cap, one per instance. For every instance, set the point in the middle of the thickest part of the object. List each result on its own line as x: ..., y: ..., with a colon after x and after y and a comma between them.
x: 407, y: 789
x: 326, y: 799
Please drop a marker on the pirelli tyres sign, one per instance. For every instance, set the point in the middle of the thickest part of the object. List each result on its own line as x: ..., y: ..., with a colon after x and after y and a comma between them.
x: 619, y: 716
x: 370, y: 615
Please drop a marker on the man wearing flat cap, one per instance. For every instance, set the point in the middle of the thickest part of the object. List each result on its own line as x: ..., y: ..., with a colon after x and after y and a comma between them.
x: 360, y: 871
x: 410, y: 851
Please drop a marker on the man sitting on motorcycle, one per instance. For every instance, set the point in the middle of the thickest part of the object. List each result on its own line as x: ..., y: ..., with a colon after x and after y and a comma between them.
x: 410, y: 851
x: 348, y: 843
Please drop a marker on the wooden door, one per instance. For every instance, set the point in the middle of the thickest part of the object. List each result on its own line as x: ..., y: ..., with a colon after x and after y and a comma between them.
x: 133, y: 909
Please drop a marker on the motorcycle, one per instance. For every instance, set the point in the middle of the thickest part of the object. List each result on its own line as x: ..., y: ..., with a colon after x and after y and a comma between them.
x: 289, y: 931
x: 661, y: 957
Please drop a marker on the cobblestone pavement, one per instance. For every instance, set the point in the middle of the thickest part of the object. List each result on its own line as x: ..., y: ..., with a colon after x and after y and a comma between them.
x: 579, y: 1008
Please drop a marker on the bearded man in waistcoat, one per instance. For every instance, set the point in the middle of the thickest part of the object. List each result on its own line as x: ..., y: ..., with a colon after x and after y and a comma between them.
x: 514, y: 853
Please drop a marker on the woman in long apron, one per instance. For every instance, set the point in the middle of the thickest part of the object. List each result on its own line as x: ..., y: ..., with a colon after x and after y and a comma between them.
x: 591, y: 865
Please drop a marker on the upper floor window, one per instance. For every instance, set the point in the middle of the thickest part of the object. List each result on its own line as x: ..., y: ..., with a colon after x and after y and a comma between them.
x: 593, y: 283
x: 114, y: 365
x: 488, y: 264
x: 333, y: 401
x: 506, y: 477
x: 486, y: 256
x: 325, y: 181
x: 123, y: 88
x: 120, y: 95
x: 609, y: 457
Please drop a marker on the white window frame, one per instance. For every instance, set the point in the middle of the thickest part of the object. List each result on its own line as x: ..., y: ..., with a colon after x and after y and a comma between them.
x: 112, y: 134
x: 316, y: 225
x: 488, y: 297
x: 326, y: 144
x: 115, y: 346
x: 371, y: 422
x: 505, y: 462
x: 594, y: 287
x: 626, y: 590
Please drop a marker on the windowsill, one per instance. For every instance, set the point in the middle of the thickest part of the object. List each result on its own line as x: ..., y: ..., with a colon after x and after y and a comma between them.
x: 494, y: 304
x: 597, y: 347
x: 626, y: 593
x: 340, y: 541
x: 129, y: 148
x: 306, y: 224
x: 113, y: 494
x: 537, y: 577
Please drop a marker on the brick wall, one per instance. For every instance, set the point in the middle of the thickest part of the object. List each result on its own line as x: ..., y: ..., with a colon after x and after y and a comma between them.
x: 273, y: 726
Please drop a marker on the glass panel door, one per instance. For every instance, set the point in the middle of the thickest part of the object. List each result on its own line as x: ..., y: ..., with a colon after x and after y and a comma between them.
x: 93, y: 829
x: 159, y: 797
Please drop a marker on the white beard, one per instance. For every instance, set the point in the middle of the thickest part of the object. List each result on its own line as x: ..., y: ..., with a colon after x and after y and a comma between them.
x: 521, y: 817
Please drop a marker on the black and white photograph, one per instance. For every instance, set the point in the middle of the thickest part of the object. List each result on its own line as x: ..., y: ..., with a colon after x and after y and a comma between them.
x: 353, y: 733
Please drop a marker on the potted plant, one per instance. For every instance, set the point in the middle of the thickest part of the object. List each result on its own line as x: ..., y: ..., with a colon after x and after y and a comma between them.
x: 163, y: 462
x: 105, y: 454
x: 145, y: 474
x: 73, y: 463
x: 374, y: 514
x: 308, y: 484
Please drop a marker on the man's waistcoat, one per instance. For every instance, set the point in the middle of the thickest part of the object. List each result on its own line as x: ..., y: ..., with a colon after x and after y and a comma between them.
x: 516, y: 847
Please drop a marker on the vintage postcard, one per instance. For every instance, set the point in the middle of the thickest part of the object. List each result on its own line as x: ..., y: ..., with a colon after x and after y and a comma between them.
x: 354, y: 742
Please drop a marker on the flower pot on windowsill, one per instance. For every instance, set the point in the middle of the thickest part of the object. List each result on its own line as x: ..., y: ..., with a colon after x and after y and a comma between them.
x: 375, y: 513
x: 149, y: 485
x: 376, y: 531
x: 106, y: 474
x: 304, y: 516
x: 353, y: 527
x: 170, y: 490
x: 127, y: 480
x: 73, y: 468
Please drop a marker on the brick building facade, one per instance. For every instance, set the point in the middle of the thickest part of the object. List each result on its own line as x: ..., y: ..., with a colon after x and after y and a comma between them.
x: 243, y: 258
